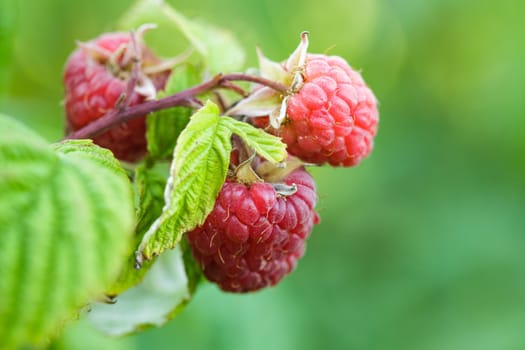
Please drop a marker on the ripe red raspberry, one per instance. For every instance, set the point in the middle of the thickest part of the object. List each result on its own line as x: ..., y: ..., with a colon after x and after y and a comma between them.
x: 94, y: 81
x: 254, y: 237
x: 333, y: 117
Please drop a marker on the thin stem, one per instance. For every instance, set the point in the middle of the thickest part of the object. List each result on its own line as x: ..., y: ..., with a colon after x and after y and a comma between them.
x: 220, y: 101
x: 135, y: 72
x: 115, y: 117
x: 182, y: 98
x: 255, y: 79
x: 234, y: 87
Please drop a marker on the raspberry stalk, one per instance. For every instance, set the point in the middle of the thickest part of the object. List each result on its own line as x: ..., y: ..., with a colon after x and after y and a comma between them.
x: 183, y: 98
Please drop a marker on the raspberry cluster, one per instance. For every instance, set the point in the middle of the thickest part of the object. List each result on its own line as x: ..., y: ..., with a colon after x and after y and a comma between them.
x: 254, y: 236
x: 319, y: 106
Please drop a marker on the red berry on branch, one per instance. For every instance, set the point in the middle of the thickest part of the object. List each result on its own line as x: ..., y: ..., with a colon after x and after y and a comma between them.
x: 254, y: 236
x: 332, y: 118
x: 96, y: 79
x: 327, y: 115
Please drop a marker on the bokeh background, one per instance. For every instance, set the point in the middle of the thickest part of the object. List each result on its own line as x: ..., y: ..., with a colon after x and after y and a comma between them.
x: 420, y: 247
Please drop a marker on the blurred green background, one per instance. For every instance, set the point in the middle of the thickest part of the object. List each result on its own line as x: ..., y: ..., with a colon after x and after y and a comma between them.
x: 420, y: 247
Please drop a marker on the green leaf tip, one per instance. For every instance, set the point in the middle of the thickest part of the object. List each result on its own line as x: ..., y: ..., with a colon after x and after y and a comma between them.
x: 165, y: 126
x: 198, y: 170
x: 267, y: 146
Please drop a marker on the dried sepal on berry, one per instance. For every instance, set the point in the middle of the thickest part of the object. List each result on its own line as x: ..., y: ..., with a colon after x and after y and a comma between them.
x: 257, y: 231
x: 327, y: 115
x: 112, y: 72
x: 265, y: 101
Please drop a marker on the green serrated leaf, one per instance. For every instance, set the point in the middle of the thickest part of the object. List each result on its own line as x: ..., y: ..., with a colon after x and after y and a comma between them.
x: 164, y: 291
x: 268, y: 146
x: 151, y: 11
x: 86, y: 149
x: 198, y: 170
x: 66, y: 215
x: 217, y: 47
x: 164, y: 127
x: 181, y: 78
x: 149, y: 183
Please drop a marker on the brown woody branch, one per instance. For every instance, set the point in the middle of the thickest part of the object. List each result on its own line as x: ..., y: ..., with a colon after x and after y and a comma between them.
x: 183, y: 98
